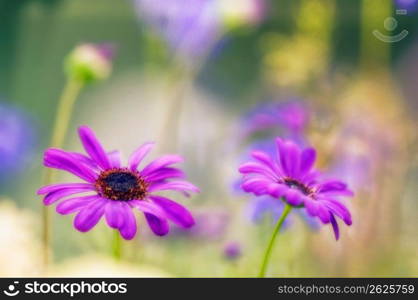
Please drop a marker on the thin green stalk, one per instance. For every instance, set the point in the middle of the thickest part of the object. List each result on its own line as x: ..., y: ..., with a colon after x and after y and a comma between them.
x: 267, y: 254
x: 59, y: 131
x: 117, y: 245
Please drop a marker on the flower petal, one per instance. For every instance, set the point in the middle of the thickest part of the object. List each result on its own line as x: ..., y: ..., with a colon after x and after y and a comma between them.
x: 59, y: 186
x: 158, y: 225
x: 289, y: 154
x: 59, y: 194
x: 308, y: 158
x: 148, y: 207
x: 114, y: 159
x: 161, y: 162
x: 90, y: 215
x: 277, y: 190
x: 93, y: 147
x: 174, y: 211
x: 138, y: 155
x: 267, y: 160
x: 128, y: 229
x: 335, y: 227
x: 115, y: 214
x: 75, y: 204
x: 60, y: 159
x: 165, y: 173
x: 174, y: 185
x: 253, y: 167
x: 311, y: 206
x: 335, y: 187
x: 293, y: 197
x: 339, y: 209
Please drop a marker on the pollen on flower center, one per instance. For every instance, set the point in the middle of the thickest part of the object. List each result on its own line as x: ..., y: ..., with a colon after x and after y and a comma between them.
x: 294, y: 184
x: 121, y: 185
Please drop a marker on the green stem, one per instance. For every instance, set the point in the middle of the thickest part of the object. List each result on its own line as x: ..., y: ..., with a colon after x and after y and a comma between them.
x: 59, y: 131
x: 117, y: 245
x: 267, y: 254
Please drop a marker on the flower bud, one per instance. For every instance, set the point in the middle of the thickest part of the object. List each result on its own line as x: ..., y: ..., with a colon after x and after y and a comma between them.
x: 90, y: 62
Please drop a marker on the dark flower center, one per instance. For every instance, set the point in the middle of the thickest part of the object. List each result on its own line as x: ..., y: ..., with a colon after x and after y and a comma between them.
x: 294, y: 184
x: 121, y: 185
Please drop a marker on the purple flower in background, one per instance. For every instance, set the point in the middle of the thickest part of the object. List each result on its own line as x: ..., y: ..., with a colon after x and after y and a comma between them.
x: 232, y: 250
x: 266, y: 206
x: 289, y: 117
x: 16, y: 140
x: 117, y: 190
x: 190, y: 27
x: 209, y: 225
x: 291, y: 176
x: 409, y: 5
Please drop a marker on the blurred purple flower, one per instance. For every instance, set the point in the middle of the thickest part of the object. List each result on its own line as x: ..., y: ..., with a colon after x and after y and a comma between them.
x: 409, y: 5
x: 190, y: 27
x: 290, y: 175
x: 232, y: 250
x: 210, y: 225
x: 288, y: 118
x: 266, y: 206
x: 17, y: 139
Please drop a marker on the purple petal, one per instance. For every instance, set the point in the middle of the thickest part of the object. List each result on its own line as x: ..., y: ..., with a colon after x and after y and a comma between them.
x: 311, y: 206
x: 59, y: 194
x: 252, y: 167
x: 289, y: 157
x: 115, y: 214
x: 339, y: 209
x: 75, y: 204
x: 256, y: 185
x: 174, y: 185
x: 165, y: 173
x: 59, y: 159
x: 277, y: 190
x: 158, y: 226
x: 128, y: 230
x: 335, y: 227
x: 148, y: 207
x: 323, y: 213
x: 267, y: 160
x: 90, y: 215
x: 85, y: 160
x: 174, y: 211
x: 307, y: 160
x: 93, y: 147
x: 59, y: 186
x: 139, y: 154
x: 161, y: 162
x: 334, y: 186
x: 114, y: 159
x: 293, y: 197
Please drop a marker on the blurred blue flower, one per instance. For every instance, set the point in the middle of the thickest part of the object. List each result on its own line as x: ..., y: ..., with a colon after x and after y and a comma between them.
x: 210, y: 225
x: 287, y: 119
x: 409, y: 5
x: 16, y: 140
x: 263, y: 207
x: 232, y: 250
x: 190, y: 27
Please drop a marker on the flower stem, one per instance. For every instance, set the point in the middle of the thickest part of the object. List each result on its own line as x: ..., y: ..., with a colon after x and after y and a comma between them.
x: 117, y: 245
x: 267, y: 254
x: 59, y: 131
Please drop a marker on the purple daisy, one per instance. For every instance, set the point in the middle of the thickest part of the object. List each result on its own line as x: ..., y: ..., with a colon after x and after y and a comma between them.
x: 292, y: 177
x: 114, y: 191
x: 190, y: 27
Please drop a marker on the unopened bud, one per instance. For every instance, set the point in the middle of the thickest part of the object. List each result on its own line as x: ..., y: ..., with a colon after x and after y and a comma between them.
x: 90, y: 62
